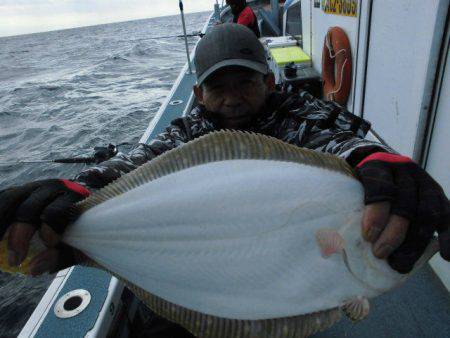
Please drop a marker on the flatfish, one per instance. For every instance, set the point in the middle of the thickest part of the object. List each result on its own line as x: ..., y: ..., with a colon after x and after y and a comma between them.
x: 237, y: 234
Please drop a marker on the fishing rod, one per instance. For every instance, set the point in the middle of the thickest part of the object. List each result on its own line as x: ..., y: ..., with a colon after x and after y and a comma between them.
x: 193, y: 34
x: 100, y: 155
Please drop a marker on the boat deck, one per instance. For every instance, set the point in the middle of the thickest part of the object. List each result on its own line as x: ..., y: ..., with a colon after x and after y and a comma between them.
x: 97, y: 283
x: 419, y: 308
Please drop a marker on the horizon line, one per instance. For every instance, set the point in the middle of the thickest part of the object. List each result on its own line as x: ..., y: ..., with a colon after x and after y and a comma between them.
x: 94, y: 25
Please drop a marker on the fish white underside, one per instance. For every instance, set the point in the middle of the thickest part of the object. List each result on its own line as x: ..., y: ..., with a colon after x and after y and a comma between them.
x: 234, y: 239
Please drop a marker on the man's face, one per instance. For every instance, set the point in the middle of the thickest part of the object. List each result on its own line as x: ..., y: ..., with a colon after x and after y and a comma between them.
x: 234, y: 96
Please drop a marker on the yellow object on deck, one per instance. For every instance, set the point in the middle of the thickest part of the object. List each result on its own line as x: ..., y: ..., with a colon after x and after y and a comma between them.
x: 36, y: 246
x: 4, y: 266
x: 285, y: 55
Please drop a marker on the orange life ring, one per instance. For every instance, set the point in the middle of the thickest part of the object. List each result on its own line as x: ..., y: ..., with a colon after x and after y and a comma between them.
x: 336, y: 66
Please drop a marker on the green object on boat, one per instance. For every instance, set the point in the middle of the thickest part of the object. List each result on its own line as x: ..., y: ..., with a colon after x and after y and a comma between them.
x: 285, y: 55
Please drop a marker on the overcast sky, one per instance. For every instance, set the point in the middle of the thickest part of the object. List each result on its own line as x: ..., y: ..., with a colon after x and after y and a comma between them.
x: 30, y: 16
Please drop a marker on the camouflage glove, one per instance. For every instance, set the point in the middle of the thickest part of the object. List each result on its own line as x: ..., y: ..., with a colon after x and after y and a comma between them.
x: 46, y: 206
x: 405, y: 206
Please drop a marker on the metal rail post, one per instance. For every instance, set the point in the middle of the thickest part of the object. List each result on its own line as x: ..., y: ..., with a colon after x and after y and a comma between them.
x: 185, y: 36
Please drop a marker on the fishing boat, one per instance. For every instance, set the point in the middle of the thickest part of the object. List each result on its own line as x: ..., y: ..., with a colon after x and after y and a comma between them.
x: 394, y: 72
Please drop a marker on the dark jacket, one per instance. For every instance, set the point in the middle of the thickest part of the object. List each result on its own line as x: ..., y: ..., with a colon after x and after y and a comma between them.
x: 298, y: 119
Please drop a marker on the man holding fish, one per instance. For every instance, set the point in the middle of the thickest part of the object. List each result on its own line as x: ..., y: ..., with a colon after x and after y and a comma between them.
x: 235, y: 90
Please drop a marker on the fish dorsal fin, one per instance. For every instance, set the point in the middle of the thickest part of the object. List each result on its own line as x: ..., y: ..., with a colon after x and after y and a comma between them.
x: 216, y: 146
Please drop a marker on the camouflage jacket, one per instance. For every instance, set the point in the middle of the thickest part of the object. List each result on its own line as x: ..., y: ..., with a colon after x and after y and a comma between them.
x: 298, y: 119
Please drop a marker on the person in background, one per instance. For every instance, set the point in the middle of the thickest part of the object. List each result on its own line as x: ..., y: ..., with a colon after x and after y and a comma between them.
x: 244, y: 15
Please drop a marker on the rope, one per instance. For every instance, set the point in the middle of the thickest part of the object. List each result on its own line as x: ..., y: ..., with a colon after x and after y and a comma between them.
x: 330, y: 95
x: 330, y: 47
x: 340, y: 83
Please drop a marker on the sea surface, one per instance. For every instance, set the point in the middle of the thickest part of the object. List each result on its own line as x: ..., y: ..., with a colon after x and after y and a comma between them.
x: 64, y: 92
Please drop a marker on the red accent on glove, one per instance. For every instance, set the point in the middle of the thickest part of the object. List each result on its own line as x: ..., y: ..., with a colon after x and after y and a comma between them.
x: 78, y: 188
x: 385, y: 157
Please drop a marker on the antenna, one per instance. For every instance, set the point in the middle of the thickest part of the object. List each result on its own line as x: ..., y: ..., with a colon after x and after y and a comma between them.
x: 185, y: 36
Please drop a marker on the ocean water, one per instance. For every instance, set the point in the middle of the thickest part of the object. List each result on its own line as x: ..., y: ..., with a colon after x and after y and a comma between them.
x: 63, y: 93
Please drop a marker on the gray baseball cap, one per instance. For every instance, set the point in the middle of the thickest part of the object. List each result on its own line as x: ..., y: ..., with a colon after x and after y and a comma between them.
x: 227, y: 45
